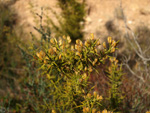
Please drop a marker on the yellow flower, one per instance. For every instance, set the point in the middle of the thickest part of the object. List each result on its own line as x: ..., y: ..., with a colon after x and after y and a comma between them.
x: 112, y: 50
x: 53, y: 111
x: 52, y: 40
x: 54, y: 48
x: 51, y: 51
x: 85, y: 68
x: 72, y: 48
x: 78, y: 41
x: 60, y: 56
x: 84, y: 76
x: 109, y: 40
x: 93, y: 110
x: 99, y: 97
x: 95, y: 93
x: 90, y: 69
x: 68, y: 39
x: 104, y: 44
x: 104, y: 111
x: 89, y: 95
x: 45, y: 62
x: 147, y: 111
x: 64, y: 37
x: 87, y: 109
x: 41, y: 55
x: 98, y: 43
x: 60, y: 42
x: 92, y: 36
x: 86, y: 44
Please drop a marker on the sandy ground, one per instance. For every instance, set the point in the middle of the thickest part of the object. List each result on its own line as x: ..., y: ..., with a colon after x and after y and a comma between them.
x: 137, y: 13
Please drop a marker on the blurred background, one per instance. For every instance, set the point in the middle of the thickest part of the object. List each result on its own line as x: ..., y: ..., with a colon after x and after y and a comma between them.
x: 124, y: 20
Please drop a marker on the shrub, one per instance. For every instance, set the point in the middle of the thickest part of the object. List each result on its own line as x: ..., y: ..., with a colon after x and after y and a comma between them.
x: 72, y: 15
x: 65, y: 69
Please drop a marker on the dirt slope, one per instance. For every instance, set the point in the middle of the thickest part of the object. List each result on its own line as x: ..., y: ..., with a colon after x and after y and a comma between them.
x: 99, y: 12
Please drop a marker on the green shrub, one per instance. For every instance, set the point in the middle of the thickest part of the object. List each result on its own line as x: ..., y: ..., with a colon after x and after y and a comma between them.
x: 65, y: 69
x: 72, y: 15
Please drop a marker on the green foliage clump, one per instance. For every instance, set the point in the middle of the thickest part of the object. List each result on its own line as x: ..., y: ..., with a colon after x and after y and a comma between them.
x: 72, y: 15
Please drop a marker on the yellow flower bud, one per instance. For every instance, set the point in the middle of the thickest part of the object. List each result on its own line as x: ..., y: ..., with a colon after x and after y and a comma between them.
x: 109, y: 40
x: 85, y: 68
x: 90, y: 69
x: 78, y: 41
x: 95, y: 93
x: 86, y: 44
x: 60, y: 56
x: 68, y: 39
x: 95, y: 60
x: 92, y: 36
x: 51, y: 51
x: 98, y: 43
x: 104, y: 44
x: 112, y: 50
x: 72, y: 48
x: 84, y: 110
x: 99, y: 97
x: 87, y: 109
x: 104, y: 111
x: 53, y: 111
x: 64, y: 37
x: 89, y: 95
x: 93, y: 110
x: 54, y: 48
x: 45, y: 62
x: 60, y: 42
x: 93, y: 63
x: 84, y: 76
x: 52, y: 40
